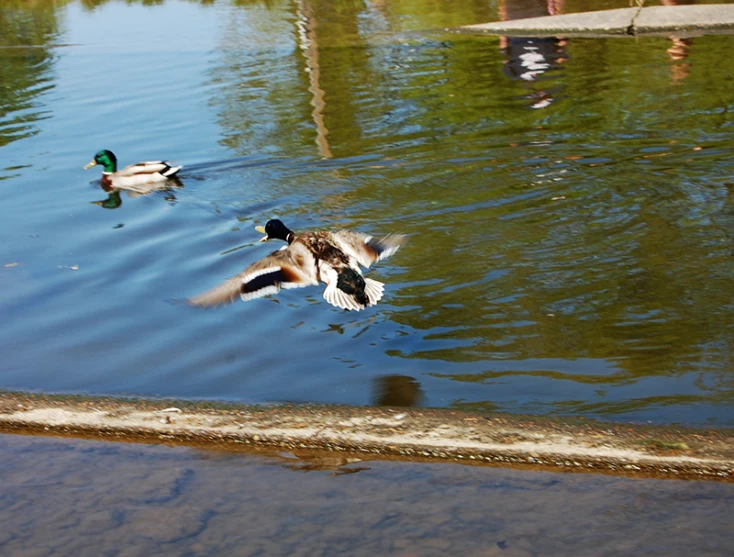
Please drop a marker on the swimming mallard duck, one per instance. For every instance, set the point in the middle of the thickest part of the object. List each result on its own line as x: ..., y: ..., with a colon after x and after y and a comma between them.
x: 330, y: 257
x: 132, y: 175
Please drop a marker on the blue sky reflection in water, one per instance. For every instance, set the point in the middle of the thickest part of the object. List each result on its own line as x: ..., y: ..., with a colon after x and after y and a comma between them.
x: 570, y: 204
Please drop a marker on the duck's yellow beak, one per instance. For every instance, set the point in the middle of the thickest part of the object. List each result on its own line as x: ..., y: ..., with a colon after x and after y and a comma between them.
x: 261, y: 230
x: 90, y: 165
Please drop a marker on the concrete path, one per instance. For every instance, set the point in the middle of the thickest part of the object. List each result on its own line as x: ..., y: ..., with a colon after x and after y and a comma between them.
x: 681, y: 20
x: 413, y: 433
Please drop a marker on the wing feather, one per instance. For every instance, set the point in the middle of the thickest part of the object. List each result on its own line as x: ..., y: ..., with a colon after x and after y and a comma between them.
x: 150, y: 167
x: 225, y: 293
x: 262, y: 278
x: 367, y: 249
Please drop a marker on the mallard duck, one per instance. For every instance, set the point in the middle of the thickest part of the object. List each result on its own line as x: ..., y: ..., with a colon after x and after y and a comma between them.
x: 133, y: 175
x: 330, y: 257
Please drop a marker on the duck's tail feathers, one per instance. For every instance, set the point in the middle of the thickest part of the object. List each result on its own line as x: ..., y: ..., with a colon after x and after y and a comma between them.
x: 171, y: 171
x: 374, y: 290
x: 341, y: 299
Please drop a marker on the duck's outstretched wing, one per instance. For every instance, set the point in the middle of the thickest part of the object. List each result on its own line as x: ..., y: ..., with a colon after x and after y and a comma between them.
x: 367, y: 249
x: 267, y: 276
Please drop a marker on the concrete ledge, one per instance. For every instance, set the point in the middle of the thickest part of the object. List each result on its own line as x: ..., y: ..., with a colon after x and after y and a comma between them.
x: 497, y: 439
x: 625, y: 21
x: 607, y: 22
x: 704, y: 17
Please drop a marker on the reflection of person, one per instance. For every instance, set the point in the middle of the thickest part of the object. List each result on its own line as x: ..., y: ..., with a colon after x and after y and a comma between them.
x: 397, y: 390
x: 679, y: 49
x: 528, y: 58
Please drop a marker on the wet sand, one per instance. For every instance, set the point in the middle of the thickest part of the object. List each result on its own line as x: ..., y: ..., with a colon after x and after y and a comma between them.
x: 89, y: 498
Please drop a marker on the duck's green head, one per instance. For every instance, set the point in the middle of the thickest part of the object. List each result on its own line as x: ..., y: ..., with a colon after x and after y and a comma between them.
x: 274, y: 230
x: 106, y: 158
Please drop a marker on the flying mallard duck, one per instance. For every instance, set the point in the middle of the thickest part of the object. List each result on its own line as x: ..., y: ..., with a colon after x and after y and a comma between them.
x: 330, y: 257
x: 133, y: 175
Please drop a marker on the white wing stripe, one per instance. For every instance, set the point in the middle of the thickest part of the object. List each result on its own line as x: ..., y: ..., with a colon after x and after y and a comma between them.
x: 247, y: 278
x: 272, y: 289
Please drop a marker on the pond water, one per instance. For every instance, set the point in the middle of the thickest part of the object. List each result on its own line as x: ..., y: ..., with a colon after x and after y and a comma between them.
x: 569, y: 203
x: 86, y: 498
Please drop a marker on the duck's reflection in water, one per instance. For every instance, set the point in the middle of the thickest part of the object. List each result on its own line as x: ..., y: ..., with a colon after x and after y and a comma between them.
x: 397, y: 390
x: 295, y: 460
x: 389, y: 390
x: 114, y: 198
x: 336, y: 465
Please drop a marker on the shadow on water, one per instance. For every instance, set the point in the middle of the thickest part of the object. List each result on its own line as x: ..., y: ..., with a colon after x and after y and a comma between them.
x: 575, y: 258
x: 397, y: 390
